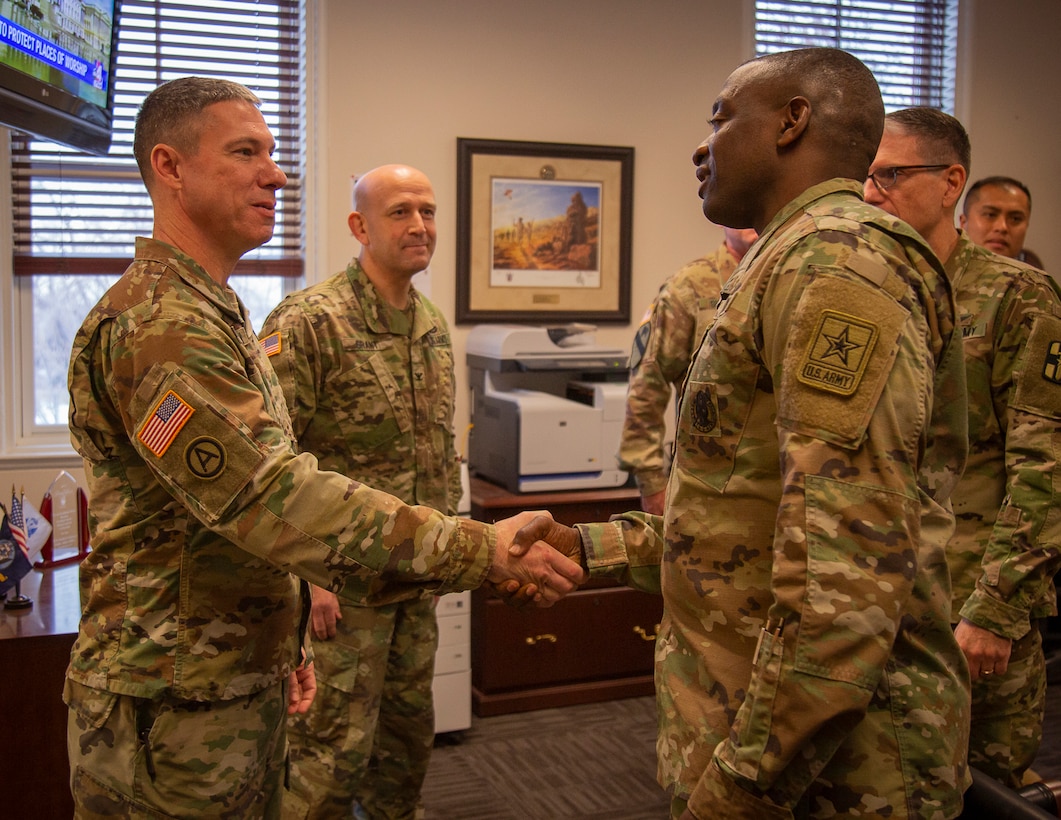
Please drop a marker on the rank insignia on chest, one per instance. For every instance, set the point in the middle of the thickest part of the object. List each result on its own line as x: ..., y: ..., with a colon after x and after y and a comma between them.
x: 1052, y: 364
x: 838, y: 353
x: 162, y: 426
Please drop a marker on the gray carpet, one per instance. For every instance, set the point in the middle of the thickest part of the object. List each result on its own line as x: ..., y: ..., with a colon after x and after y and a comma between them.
x: 593, y: 762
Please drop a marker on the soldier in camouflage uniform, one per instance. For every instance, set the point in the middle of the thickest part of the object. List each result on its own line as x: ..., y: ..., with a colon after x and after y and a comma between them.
x: 805, y: 664
x: 663, y: 347
x: 997, y: 214
x: 367, y: 368
x: 189, y: 647
x: 1007, y: 544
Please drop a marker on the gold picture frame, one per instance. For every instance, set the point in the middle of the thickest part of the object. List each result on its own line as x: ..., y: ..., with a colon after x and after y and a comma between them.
x: 543, y: 231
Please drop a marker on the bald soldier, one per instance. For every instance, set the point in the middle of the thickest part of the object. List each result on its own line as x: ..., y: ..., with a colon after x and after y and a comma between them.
x: 203, y: 513
x: 805, y: 664
x: 366, y: 365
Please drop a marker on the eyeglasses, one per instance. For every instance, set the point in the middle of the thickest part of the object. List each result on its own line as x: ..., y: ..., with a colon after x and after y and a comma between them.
x: 885, y: 178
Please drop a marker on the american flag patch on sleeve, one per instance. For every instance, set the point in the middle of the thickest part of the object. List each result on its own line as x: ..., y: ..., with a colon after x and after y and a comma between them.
x: 165, y: 422
x: 271, y: 344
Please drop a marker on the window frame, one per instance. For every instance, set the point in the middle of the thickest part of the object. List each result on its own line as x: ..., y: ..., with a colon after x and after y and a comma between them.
x: 23, y: 443
x: 948, y: 59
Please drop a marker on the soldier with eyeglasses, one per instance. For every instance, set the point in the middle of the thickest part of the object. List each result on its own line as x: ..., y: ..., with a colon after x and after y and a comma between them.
x: 1007, y: 543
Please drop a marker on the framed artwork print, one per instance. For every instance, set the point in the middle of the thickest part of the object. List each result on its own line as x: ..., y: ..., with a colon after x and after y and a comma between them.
x: 543, y: 231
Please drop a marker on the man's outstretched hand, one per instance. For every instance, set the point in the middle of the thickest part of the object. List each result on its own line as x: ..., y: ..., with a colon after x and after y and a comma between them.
x: 513, y: 594
x: 533, y: 561
x: 560, y: 537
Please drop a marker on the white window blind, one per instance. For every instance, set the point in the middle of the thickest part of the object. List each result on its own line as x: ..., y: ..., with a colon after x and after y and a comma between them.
x: 907, y: 44
x: 78, y: 214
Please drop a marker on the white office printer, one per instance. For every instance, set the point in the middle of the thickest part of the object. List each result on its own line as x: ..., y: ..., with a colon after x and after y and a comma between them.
x: 547, y: 407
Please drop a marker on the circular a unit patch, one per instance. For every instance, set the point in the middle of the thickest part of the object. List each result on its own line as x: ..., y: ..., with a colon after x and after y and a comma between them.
x: 205, y: 457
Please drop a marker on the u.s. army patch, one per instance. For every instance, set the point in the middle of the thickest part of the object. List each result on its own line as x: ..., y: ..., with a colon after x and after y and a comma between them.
x: 838, y: 353
x: 271, y: 344
x: 165, y: 421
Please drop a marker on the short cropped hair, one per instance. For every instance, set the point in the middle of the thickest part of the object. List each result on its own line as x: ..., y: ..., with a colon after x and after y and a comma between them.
x: 170, y: 114
x: 999, y: 182
x: 849, y: 111
x: 944, y: 137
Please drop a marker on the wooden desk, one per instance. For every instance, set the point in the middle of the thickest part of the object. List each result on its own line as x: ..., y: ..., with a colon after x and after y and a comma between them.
x: 34, y: 652
x: 492, y: 503
x: 597, y: 644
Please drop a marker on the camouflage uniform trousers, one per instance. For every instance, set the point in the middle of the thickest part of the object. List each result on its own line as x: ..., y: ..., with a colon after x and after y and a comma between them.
x: 1007, y: 724
x: 369, y: 734
x: 167, y: 758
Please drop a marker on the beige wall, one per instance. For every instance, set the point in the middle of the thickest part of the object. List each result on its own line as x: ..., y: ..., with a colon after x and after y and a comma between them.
x: 1009, y: 104
x: 400, y: 81
x: 403, y: 80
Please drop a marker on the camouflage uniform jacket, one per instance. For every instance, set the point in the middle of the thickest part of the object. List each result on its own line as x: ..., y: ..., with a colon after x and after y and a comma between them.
x: 663, y: 347
x: 1007, y: 543
x: 200, y: 509
x: 344, y: 358
x: 805, y: 663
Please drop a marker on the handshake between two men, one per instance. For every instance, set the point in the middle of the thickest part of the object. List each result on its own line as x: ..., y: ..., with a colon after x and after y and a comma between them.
x: 537, y: 559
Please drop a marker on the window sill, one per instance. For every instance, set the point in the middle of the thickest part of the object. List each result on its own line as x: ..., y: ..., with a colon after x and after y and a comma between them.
x: 40, y: 455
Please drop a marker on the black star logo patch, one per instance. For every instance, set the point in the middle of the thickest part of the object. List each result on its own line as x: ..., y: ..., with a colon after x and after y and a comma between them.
x: 838, y: 352
x: 841, y: 345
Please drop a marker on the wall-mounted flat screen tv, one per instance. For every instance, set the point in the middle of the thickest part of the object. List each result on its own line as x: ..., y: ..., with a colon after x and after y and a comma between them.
x: 57, y: 62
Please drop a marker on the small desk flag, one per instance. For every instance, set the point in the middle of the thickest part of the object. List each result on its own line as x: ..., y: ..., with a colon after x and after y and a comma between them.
x: 14, y: 565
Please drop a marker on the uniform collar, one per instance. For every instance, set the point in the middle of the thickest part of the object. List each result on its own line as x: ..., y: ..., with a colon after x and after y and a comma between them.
x: 223, y: 297
x: 380, y: 316
x: 805, y: 200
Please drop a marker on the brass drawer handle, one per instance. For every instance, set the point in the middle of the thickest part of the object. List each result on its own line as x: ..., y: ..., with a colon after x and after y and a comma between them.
x: 535, y: 639
x: 645, y: 636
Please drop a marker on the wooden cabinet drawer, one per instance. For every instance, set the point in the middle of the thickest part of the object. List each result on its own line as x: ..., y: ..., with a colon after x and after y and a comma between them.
x: 592, y: 634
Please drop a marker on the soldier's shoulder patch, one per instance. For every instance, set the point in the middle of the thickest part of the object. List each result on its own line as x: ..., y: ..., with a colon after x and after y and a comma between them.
x: 165, y: 422
x: 640, y: 344
x: 837, y: 361
x: 272, y: 344
x: 837, y: 352
x: 1039, y: 381
x: 1052, y: 362
x: 216, y: 454
x: 205, y: 457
